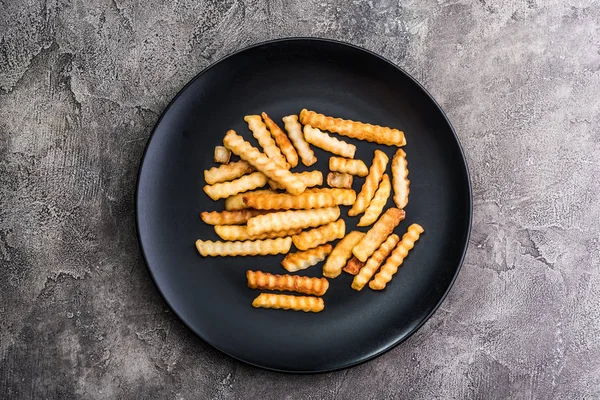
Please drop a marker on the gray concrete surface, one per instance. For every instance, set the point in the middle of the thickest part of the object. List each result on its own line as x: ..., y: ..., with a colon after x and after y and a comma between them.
x: 83, y: 82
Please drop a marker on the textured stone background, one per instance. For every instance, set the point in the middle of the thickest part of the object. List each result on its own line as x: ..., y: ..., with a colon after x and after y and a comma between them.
x: 81, y: 85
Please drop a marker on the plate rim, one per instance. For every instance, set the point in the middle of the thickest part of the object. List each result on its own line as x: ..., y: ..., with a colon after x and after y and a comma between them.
x: 354, y: 47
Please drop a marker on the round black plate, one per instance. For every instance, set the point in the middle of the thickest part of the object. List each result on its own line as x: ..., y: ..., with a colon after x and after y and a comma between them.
x: 210, y: 294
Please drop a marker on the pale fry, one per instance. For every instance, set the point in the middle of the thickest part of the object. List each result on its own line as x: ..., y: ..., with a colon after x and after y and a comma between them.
x: 400, y: 178
x: 263, y: 136
x: 376, y: 235
x: 246, y: 248
x: 288, y: 302
x: 304, y: 259
x: 243, y: 184
x: 367, y: 192
x: 227, y: 172
x: 222, y: 155
x: 379, y: 200
x: 340, y: 254
x: 282, y: 140
x: 236, y: 202
x: 373, y: 263
x: 294, y: 130
x: 228, y: 217
x: 264, y: 164
x: 353, y: 266
x: 328, y: 143
x: 287, y: 283
x: 318, y: 236
x: 310, y: 179
x: 353, y: 129
x: 348, y: 166
x: 339, y: 180
x: 344, y: 197
x: 284, y: 220
x: 396, y: 258
x: 240, y: 232
x: 284, y: 201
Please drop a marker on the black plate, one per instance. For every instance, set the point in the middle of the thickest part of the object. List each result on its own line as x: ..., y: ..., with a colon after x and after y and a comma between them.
x: 210, y: 294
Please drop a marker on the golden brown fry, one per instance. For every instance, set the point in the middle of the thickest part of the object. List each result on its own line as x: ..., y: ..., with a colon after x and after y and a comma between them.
x: 379, y: 200
x: 287, y: 283
x: 236, y: 202
x: 246, y: 248
x: 400, y: 178
x: 243, y: 184
x: 348, y: 166
x: 303, y: 259
x: 367, y: 192
x: 344, y: 197
x: 263, y: 136
x: 294, y: 130
x: 264, y: 164
x: 227, y: 172
x: 353, y: 129
x: 228, y: 217
x: 240, y: 232
x: 288, y: 302
x: 282, y: 140
x: 338, y: 180
x: 396, y: 258
x: 328, y: 143
x: 340, y: 254
x: 318, y: 236
x: 283, y: 220
x: 222, y: 155
x: 353, y: 266
x: 284, y: 201
x: 377, y: 234
x: 310, y: 178
x: 373, y: 263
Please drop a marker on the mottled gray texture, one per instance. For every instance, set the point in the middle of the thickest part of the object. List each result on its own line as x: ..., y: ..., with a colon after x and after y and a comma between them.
x: 83, y: 82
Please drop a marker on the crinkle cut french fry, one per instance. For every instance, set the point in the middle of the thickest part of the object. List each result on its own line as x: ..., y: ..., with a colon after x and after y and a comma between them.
x: 396, y: 258
x: 380, y: 160
x: 377, y: 234
x: 263, y: 136
x: 373, y: 263
x: 348, y: 166
x: 400, y: 178
x: 284, y: 201
x: 288, y: 302
x: 344, y: 197
x: 318, y: 236
x: 227, y: 172
x: 228, y: 217
x: 287, y: 283
x: 353, y: 129
x: 304, y: 259
x: 282, y: 140
x: 310, y: 178
x: 262, y: 163
x: 294, y: 130
x: 328, y: 143
x: 283, y: 220
x: 340, y: 254
x: 246, y: 248
x: 222, y: 155
x: 339, y: 180
x: 236, y: 202
x: 379, y: 200
x: 240, y: 232
x: 243, y: 184
x: 353, y: 266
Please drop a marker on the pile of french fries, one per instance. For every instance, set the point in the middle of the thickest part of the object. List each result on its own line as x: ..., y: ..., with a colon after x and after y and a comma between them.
x: 297, y: 210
